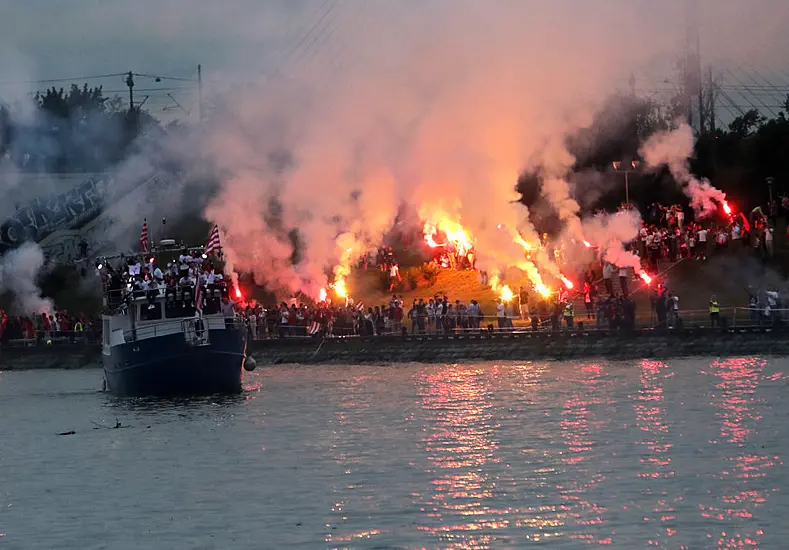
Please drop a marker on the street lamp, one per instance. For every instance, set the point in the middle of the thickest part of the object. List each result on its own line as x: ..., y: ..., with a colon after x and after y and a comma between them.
x: 617, y: 166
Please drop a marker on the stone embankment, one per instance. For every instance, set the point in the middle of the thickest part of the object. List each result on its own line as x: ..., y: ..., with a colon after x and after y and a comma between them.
x: 648, y: 344
x: 522, y: 347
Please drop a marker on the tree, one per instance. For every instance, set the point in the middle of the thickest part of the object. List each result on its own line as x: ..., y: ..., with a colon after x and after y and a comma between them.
x: 745, y: 124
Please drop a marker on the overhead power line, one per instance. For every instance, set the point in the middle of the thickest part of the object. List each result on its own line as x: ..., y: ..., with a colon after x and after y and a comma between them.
x: 54, y: 80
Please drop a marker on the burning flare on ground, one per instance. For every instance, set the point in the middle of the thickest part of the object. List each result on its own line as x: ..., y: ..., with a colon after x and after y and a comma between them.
x: 567, y: 282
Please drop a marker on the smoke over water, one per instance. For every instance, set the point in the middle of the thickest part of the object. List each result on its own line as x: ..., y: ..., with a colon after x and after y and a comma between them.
x: 673, y: 149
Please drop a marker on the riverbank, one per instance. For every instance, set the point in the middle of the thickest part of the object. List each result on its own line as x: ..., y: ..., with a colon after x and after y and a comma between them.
x: 517, y: 346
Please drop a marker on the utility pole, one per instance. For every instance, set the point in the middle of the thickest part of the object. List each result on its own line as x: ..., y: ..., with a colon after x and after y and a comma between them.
x: 200, y: 93
x: 130, y: 84
x: 711, y: 103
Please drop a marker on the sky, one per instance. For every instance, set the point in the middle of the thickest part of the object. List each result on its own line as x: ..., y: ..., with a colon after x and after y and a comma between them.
x: 242, y: 40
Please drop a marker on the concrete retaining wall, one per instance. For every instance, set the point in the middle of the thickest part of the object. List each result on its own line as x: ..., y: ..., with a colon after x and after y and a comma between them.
x: 456, y: 348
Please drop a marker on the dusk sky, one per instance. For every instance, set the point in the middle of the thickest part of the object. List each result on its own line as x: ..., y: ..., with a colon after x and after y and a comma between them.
x: 242, y: 40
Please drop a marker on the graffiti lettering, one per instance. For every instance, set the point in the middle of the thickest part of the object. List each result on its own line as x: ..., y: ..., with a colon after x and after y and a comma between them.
x: 44, y: 215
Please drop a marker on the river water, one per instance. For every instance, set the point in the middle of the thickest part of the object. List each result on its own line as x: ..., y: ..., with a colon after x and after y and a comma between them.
x: 684, y: 454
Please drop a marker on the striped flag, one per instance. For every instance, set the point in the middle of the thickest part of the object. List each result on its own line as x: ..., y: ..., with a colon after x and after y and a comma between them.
x: 213, y: 241
x: 360, y: 306
x: 144, y: 237
x: 199, y: 298
x: 314, y: 328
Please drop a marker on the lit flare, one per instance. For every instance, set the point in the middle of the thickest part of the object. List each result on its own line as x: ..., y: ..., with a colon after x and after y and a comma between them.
x: 322, y: 295
x: 567, y: 282
x: 339, y: 288
x: 727, y: 208
x: 543, y: 290
x: 506, y: 294
x: 238, y: 293
x: 646, y: 278
x: 587, y: 244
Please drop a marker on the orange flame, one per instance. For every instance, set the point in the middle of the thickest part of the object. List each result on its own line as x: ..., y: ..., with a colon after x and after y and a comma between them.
x: 543, y: 290
x: 322, y: 295
x: 647, y: 279
x: 339, y: 288
x: 453, y: 230
x: 567, y: 282
x: 506, y: 294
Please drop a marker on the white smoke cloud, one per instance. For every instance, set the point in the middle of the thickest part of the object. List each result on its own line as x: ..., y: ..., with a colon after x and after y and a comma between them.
x: 19, y: 270
x: 609, y: 232
x: 673, y: 148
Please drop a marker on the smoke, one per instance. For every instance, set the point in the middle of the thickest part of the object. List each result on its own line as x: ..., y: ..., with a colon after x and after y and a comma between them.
x: 363, y: 108
x: 610, y: 231
x: 673, y: 148
x: 19, y: 270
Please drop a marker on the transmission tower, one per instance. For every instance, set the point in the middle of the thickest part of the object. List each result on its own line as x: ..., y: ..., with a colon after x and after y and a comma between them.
x: 696, y: 101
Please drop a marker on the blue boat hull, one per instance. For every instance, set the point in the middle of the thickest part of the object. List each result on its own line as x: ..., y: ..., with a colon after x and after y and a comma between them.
x: 169, y: 366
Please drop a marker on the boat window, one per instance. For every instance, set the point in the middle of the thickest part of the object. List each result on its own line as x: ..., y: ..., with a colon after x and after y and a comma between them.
x: 150, y: 311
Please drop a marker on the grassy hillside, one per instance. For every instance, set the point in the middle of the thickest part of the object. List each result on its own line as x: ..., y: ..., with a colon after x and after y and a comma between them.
x: 726, y: 275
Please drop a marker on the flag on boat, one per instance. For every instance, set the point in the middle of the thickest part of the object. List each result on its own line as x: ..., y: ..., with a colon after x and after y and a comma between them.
x: 144, y: 237
x: 199, y: 298
x: 213, y: 241
x: 314, y: 328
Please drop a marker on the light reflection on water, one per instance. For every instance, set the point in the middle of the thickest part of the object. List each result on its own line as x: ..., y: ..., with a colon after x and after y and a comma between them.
x: 679, y: 454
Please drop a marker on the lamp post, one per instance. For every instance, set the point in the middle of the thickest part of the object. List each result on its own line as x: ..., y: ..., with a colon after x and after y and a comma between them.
x: 618, y: 167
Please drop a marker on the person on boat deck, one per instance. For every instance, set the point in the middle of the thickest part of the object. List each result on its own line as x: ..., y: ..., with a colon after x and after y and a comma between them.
x: 183, y: 261
x: 228, y: 308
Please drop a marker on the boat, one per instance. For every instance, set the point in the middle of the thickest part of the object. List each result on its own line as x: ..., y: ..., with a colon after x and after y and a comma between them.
x: 170, y: 341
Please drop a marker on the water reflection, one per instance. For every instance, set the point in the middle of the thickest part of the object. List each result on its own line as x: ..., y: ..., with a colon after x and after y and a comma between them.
x: 656, y: 460
x: 460, y: 448
x: 745, y: 488
x: 577, y: 425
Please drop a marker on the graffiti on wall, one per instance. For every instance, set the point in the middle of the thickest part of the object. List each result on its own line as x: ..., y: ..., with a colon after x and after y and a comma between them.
x: 44, y: 215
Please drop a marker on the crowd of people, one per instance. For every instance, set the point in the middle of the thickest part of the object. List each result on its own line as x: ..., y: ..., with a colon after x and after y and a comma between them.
x: 43, y: 328
x: 665, y: 236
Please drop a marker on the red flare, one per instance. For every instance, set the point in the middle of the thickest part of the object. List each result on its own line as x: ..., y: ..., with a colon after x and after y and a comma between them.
x: 238, y: 293
x: 647, y: 279
x: 726, y: 208
x: 587, y: 244
x: 567, y: 282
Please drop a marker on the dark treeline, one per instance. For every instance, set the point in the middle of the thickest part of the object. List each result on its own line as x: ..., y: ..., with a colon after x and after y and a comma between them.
x: 78, y: 129
x: 737, y: 158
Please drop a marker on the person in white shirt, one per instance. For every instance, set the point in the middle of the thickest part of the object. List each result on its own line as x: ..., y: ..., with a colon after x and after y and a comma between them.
x: 394, y: 276
x: 702, y: 244
x: 623, y: 274
x: 501, y: 314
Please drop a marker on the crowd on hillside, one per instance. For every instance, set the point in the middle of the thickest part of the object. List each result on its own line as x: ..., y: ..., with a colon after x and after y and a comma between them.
x: 665, y: 236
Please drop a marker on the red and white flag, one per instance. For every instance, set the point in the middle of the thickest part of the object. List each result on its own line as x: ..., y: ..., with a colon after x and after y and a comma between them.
x: 199, y: 298
x: 315, y: 328
x: 213, y: 241
x: 144, y: 237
